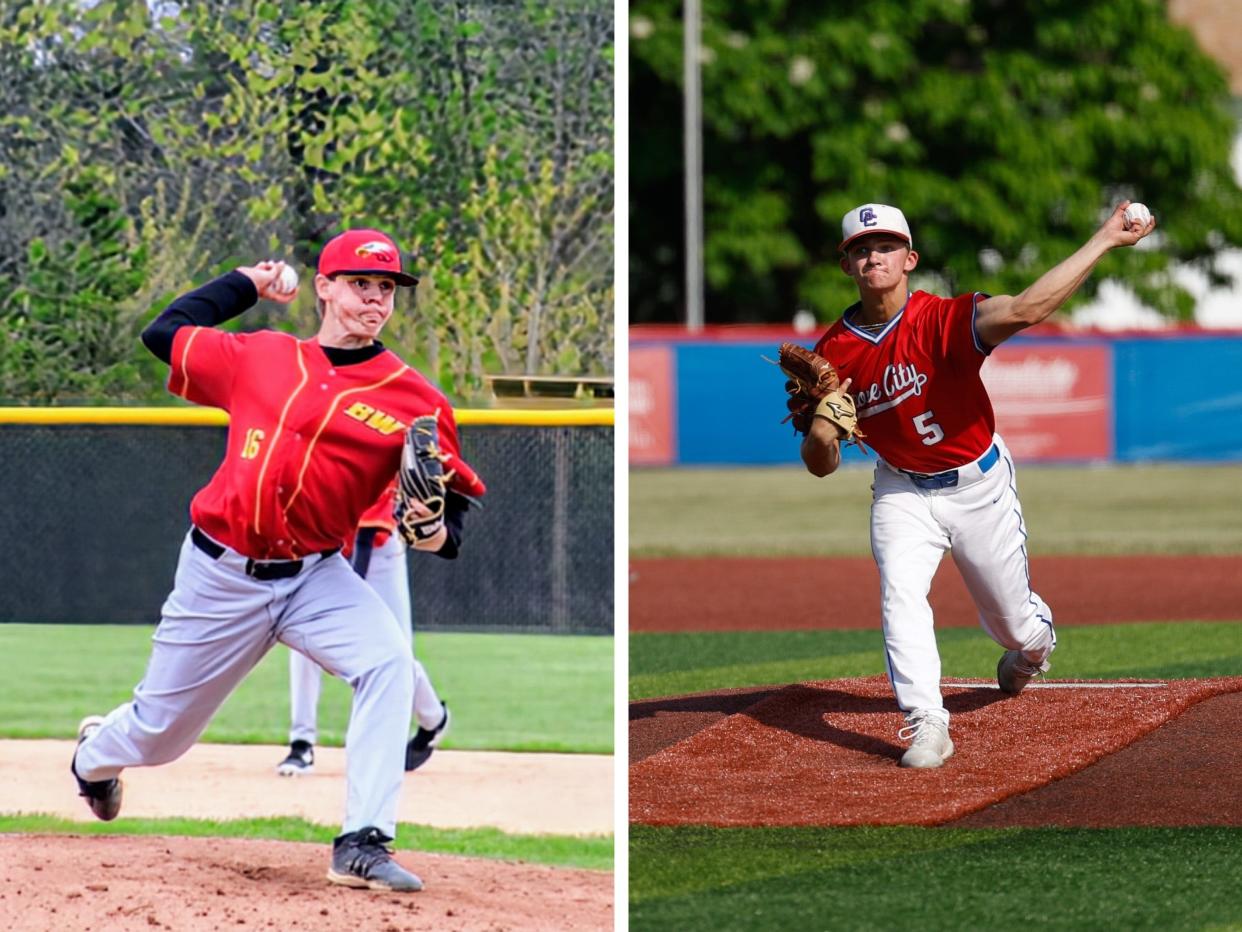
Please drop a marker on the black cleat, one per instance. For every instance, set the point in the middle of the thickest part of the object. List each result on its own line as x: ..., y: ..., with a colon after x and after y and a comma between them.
x: 418, y: 749
x: 300, y: 762
x: 103, y: 796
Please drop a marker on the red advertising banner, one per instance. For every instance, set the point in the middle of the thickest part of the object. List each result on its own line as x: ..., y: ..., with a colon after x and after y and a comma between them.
x: 652, y: 402
x: 1053, y: 402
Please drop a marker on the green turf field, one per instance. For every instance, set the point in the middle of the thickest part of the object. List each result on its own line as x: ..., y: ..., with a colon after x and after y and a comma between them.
x: 934, y: 879
x: 787, y: 511
x: 673, y: 664
x: 514, y: 692
x: 912, y: 878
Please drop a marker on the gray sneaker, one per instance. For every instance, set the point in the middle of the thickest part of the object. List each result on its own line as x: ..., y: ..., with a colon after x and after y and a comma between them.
x: 360, y: 859
x: 1014, y: 671
x: 103, y: 796
x: 929, y: 735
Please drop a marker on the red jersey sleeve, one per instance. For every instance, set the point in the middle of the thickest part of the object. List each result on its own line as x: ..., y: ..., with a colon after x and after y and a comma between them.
x: 202, y: 364
x: 956, y: 339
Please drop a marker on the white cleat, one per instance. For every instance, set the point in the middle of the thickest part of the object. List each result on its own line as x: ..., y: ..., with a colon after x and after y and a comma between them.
x: 1014, y: 671
x: 931, y: 745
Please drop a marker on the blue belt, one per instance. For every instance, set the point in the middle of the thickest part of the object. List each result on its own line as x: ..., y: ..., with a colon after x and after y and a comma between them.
x: 948, y: 478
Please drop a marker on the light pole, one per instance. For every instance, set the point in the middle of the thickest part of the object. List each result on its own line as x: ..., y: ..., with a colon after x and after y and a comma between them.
x: 693, y: 151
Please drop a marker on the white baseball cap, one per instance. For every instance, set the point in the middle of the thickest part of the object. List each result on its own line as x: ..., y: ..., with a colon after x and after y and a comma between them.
x: 873, y: 218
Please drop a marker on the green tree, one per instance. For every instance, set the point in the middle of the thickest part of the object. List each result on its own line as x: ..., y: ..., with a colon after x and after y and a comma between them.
x: 1003, y: 130
x: 67, y: 336
x: 230, y: 130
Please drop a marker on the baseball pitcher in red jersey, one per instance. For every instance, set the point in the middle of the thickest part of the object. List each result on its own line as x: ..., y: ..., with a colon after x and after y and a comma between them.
x: 944, y: 480
x: 316, y: 430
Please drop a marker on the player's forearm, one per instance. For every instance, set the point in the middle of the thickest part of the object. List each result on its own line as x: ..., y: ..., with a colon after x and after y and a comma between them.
x: 1052, y: 289
x: 219, y: 300
x: 821, y: 448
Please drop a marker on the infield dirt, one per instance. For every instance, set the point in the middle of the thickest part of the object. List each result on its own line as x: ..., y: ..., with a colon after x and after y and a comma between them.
x: 110, y: 883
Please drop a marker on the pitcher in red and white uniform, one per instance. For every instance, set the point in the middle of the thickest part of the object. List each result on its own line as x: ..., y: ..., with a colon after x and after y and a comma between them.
x: 378, y: 554
x: 315, y: 436
x: 944, y: 480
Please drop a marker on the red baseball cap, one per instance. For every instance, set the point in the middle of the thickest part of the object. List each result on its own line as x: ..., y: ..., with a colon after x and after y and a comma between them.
x: 364, y: 252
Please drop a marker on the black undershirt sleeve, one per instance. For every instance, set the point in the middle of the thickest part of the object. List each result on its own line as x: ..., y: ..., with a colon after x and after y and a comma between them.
x: 455, y: 507
x: 219, y: 300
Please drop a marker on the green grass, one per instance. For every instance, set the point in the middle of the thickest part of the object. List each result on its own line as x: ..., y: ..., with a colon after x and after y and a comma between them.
x: 929, y: 879
x: 593, y: 852
x: 516, y: 692
x: 785, y: 511
x: 673, y: 664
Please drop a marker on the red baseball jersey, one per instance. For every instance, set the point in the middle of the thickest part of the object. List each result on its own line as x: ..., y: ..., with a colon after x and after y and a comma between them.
x: 311, y: 446
x: 921, y: 402
x: 380, y: 515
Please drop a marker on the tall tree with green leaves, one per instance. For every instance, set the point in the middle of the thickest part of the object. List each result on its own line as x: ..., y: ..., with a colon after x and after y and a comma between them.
x: 230, y: 130
x: 1004, y: 130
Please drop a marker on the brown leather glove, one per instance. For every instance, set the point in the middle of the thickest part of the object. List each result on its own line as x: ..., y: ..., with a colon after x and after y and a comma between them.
x: 815, y: 391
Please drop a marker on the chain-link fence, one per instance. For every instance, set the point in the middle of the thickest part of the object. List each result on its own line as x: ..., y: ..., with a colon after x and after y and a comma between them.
x: 92, y: 516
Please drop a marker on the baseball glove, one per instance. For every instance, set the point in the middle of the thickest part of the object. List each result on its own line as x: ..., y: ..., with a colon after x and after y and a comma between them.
x: 815, y: 391
x: 423, y: 479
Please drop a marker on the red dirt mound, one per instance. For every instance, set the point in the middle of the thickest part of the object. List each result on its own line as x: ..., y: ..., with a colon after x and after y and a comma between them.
x: 108, y: 883
x: 826, y: 753
x: 1188, y: 772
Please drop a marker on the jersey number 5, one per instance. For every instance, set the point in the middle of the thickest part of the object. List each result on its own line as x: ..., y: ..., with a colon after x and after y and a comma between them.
x: 250, y: 446
x: 928, y: 428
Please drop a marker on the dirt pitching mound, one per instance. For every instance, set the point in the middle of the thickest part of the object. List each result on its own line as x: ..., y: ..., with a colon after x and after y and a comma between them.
x: 825, y: 753
x: 1188, y: 772
x: 747, y: 594
x: 107, y: 884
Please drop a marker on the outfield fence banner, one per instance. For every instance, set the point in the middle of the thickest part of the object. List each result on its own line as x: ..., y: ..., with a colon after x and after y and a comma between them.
x: 1052, y: 403
x: 94, y: 504
x: 1058, y: 397
x: 652, y: 427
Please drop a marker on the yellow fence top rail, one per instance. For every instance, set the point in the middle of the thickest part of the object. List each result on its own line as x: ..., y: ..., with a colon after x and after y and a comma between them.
x: 213, y: 417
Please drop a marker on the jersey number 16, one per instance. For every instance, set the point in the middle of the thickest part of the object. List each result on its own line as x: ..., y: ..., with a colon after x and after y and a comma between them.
x: 250, y: 446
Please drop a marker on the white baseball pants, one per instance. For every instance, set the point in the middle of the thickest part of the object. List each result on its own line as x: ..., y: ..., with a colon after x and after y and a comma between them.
x: 386, y: 574
x: 980, y: 522
x: 218, y: 623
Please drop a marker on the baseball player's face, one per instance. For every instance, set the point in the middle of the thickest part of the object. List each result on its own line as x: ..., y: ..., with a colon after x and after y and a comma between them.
x: 361, y: 304
x: 879, y: 262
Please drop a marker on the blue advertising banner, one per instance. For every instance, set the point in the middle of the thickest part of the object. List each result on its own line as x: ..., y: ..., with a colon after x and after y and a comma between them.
x: 1179, y: 398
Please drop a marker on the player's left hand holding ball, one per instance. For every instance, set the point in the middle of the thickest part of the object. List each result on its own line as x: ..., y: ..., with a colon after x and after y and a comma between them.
x: 274, y: 281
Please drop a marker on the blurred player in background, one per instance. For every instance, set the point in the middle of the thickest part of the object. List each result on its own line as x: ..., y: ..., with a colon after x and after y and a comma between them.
x: 378, y: 555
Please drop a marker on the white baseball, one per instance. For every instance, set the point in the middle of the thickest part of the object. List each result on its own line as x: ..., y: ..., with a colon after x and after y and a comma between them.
x: 1138, y: 213
x: 288, y: 280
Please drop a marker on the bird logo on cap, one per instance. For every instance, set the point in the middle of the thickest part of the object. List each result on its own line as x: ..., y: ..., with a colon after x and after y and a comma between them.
x: 381, y: 251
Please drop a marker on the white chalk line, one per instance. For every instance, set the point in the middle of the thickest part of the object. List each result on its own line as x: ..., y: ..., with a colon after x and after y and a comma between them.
x: 1065, y: 685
